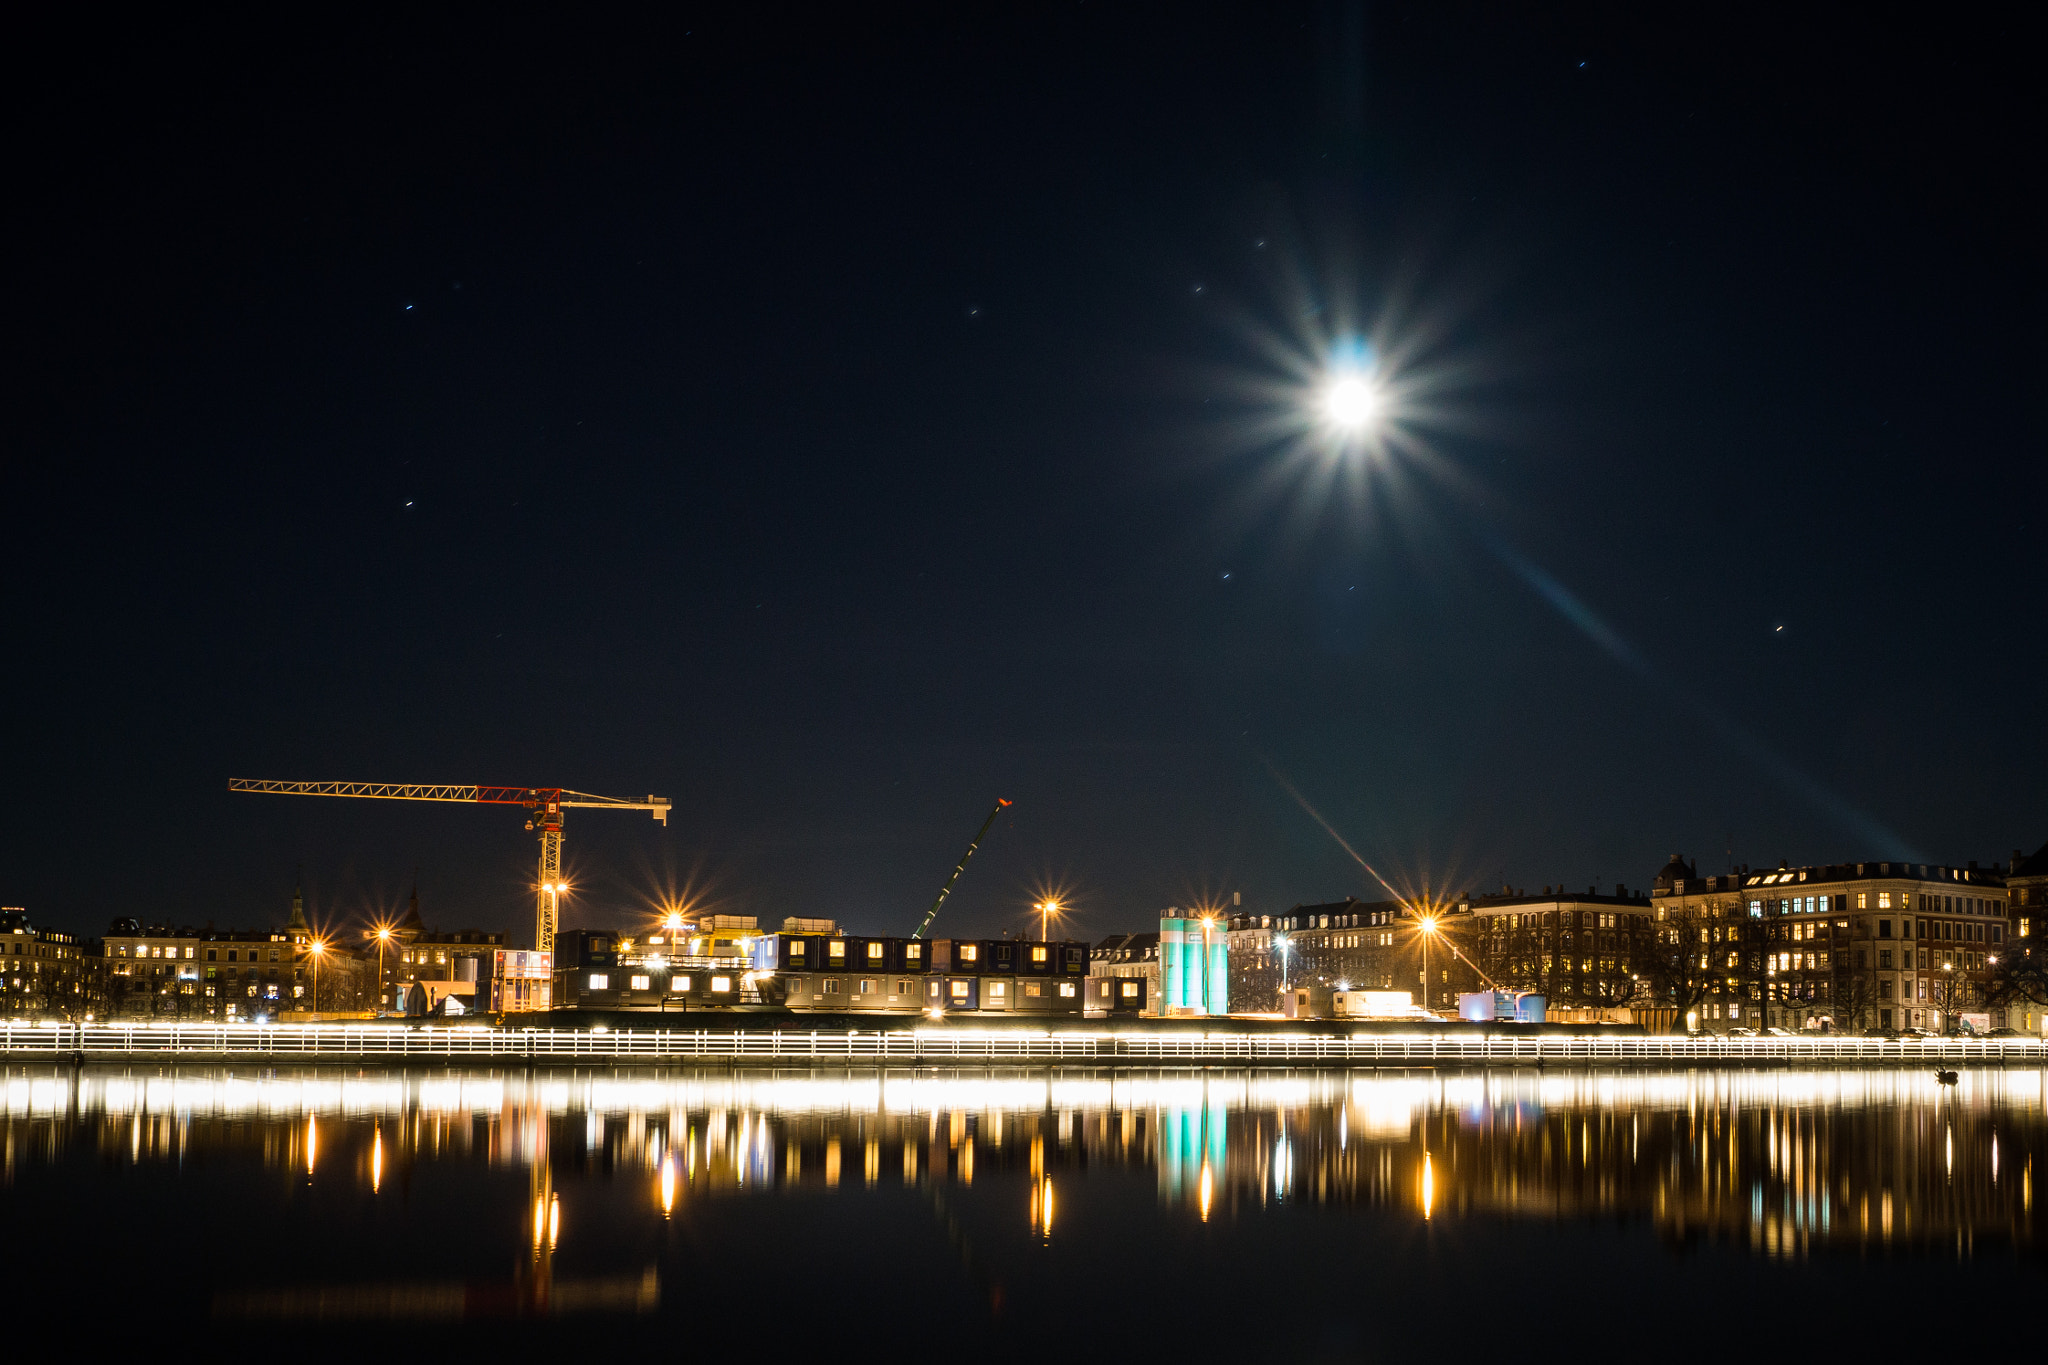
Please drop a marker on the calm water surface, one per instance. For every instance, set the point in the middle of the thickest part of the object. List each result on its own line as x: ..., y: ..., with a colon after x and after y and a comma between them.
x: 1026, y: 1215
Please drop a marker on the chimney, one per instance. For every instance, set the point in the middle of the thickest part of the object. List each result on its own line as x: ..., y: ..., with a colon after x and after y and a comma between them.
x: 1620, y: 891
x: 2014, y: 865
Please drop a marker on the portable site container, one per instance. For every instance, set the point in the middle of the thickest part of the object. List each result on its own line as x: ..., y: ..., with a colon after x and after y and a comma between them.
x: 1116, y: 995
x: 1055, y: 995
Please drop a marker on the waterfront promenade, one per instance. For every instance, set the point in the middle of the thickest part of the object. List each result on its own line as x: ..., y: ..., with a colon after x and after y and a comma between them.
x: 1128, y: 1045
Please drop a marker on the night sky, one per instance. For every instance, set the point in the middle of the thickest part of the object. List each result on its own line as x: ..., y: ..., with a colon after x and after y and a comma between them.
x: 834, y: 421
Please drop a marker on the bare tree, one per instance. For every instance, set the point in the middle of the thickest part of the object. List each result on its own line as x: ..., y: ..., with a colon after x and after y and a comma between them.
x: 1684, y: 958
x: 2017, y: 975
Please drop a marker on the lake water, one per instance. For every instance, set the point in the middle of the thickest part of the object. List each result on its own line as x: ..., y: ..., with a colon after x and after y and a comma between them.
x: 1025, y: 1215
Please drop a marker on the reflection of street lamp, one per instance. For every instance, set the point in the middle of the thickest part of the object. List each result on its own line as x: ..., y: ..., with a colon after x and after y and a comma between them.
x: 1283, y: 943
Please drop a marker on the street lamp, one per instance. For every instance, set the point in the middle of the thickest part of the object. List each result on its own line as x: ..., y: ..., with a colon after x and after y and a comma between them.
x: 383, y: 940
x: 1046, y: 910
x: 1208, y: 921
x: 318, y: 949
x: 1427, y: 925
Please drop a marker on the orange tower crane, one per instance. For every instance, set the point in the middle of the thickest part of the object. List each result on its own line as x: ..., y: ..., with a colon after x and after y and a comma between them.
x: 545, y: 805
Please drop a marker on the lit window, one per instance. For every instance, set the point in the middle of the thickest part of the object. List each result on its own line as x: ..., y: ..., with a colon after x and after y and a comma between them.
x: 874, y: 952
x: 969, y: 952
x: 721, y: 985
x: 1038, y: 953
x: 680, y: 985
x: 1033, y: 989
x: 958, y: 989
x: 1067, y: 989
x: 600, y: 981
x: 641, y: 983
x: 1130, y: 989
x: 1884, y: 900
x: 836, y: 948
x: 997, y: 989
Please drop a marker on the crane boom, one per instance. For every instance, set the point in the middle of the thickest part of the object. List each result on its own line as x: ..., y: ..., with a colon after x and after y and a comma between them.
x: 545, y: 803
x: 947, y: 889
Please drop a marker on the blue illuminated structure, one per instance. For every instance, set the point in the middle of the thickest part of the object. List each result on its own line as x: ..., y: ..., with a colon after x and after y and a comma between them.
x: 1194, y: 965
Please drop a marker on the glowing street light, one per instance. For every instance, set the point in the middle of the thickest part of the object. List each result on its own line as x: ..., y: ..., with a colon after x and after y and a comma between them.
x: 1047, y: 908
x: 1426, y: 924
x: 318, y: 949
x: 383, y: 937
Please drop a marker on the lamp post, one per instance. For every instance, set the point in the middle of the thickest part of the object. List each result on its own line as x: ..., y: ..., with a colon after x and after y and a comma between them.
x: 1427, y: 924
x: 1207, y: 921
x: 383, y: 941
x: 317, y: 949
x: 1046, y: 910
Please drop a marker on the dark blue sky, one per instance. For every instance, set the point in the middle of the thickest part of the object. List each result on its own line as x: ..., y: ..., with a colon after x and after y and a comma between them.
x: 833, y: 422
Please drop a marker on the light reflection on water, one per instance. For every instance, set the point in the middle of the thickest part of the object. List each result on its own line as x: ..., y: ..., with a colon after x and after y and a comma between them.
x: 1777, y: 1163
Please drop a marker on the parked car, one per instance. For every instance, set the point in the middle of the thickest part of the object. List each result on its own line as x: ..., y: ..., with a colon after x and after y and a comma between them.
x: 1880, y: 1031
x: 2006, y: 1033
x: 1918, y: 1033
x: 1779, y: 1033
x: 1740, y: 1032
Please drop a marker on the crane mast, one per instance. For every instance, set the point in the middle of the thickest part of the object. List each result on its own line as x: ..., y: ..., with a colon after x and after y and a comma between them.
x: 545, y: 805
x: 947, y: 889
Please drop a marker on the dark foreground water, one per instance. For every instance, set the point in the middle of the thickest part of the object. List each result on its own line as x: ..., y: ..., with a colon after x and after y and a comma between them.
x: 1019, y: 1215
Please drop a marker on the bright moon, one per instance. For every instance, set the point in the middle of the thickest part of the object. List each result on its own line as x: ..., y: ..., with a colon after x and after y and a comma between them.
x: 1350, y: 403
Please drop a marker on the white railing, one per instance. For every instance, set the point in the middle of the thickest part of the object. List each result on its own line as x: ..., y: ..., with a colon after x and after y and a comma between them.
x: 972, y: 1043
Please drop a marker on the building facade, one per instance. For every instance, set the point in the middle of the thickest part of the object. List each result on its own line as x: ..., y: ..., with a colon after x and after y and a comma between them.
x: 1850, y: 946
x: 1350, y: 945
x: 1579, y: 951
x: 42, y: 971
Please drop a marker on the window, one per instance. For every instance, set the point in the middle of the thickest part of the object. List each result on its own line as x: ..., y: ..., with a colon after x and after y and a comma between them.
x: 1034, y: 989
x: 997, y: 989
x: 721, y: 985
x: 903, y: 988
x: 679, y: 985
x: 913, y: 952
x: 796, y: 947
x: 599, y: 981
x: 833, y: 985
x: 1884, y: 900
x: 1884, y: 928
x: 641, y: 983
x: 931, y: 988
x: 866, y: 987
x: 1130, y: 990
x: 1039, y: 953
x: 970, y: 952
x: 836, y: 948
x: 1067, y: 989
x: 957, y: 989
x: 875, y: 952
